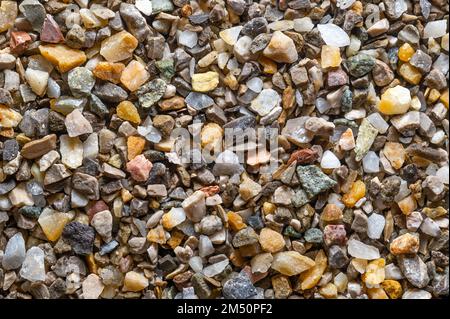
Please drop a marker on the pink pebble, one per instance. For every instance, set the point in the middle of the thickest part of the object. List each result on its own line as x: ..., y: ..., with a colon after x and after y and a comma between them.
x: 139, y: 168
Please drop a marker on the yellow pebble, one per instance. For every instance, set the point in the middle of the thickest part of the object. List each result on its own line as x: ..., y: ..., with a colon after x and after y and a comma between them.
x: 128, y: 112
x: 433, y: 96
x: 64, y: 57
x: 375, y: 273
x: 269, y: 66
x: 329, y: 291
x: 407, y: 205
x: 357, y: 191
x: 235, y: 221
x: 205, y: 82
x: 393, y: 288
x: 410, y: 73
x: 330, y: 57
x: 405, y: 52
x: 135, y: 146
x: 396, y: 100
x: 268, y: 208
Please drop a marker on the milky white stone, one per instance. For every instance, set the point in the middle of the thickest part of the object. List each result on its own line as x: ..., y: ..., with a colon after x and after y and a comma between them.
x: 196, y: 263
x: 333, y: 35
x: 215, y: 269
x: 329, y: 160
x: 438, y: 137
x: 403, y: 191
x: 33, y: 268
x: 205, y: 246
x: 37, y: 80
x: 371, y: 162
x: 303, y: 24
x: 14, y: 254
x: 71, y: 150
x: 265, y: 102
x: 145, y: 6
x: 415, y: 293
x: 435, y: 29
x: 92, y: 287
x: 378, y: 122
x: 255, y: 84
x: 375, y: 225
x: 358, y: 249
x: 430, y: 227
x: 443, y: 174
x: 77, y: 199
x: 188, y: 38
x: 90, y: 146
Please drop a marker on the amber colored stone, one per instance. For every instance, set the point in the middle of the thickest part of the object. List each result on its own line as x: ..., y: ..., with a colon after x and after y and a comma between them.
x: 269, y: 66
x: 288, y: 98
x: 357, y: 191
x: 186, y: 10
x: 134, y: 75
x: 376, y: 293
x: 407, y: 205
x: 118, y: 47
x: 268, y: 208
x: 176, y: 237
x: 433, y: 96
x: 235, y: 221
x: 405, y: 52
x: 157, y: 235
x: 310, y: 278
x: 135, y: 146
x: 53, y: 224
x: 330, y: 57
x: 51, y: 32
x: 410, y: 73
x: 62, y: 56
x: 90, y: 261
x: 109, y: 71
x: 393, y: 288
x: 9, y: 118
x: 236, y: 259
x: 128, y: 112
x: 395, y: 153
x: 19, y: 41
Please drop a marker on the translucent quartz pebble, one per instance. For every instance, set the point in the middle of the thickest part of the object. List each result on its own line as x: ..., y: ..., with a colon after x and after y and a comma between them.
x: 33, y: 268
x: 360, y: 250
x: 333, y: 35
